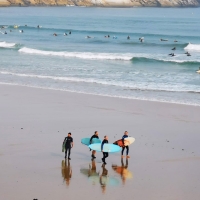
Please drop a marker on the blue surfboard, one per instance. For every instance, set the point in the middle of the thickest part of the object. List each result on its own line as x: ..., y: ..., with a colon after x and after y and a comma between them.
x: 106, y: 147
x: 86, y: 141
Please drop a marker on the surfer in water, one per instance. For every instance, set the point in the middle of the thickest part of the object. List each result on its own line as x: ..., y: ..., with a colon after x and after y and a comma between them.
x: 68, y: 145
x: 127, y: 147
x: 94, y: 136
x: 128, y: 38
x: 105, y: 154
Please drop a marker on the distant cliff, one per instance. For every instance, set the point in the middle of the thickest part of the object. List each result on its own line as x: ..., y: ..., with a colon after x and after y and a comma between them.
x: 103, y: 3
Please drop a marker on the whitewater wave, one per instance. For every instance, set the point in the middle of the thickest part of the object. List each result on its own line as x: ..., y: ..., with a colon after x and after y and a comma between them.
x: 192, y: 47
x: 7, y: 45
x: 81, y: 55
x: 124, y: 86
x: 113, y: 56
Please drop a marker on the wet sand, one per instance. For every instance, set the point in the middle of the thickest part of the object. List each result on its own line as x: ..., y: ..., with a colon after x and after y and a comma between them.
x: 164, y: 163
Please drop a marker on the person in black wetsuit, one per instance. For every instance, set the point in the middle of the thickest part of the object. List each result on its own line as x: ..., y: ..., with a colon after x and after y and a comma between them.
x: 127, y: 147
x: 105, y: 154
x: 94, y: 136
x: 68, y: 145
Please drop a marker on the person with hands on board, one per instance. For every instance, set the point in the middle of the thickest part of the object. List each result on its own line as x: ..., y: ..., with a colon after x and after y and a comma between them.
x: 68, y: 145
x: 94, y: 136
x: 127, y: 147
x: 105, y: 154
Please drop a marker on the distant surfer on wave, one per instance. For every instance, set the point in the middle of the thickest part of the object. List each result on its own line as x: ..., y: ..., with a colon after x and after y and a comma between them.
x: 105, y: 154
x: 94, y: 136
x: 127, y: 147
x: 68, y: 142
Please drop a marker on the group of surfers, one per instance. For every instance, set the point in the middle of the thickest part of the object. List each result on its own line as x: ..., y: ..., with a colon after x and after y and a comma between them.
x: 68, y: 141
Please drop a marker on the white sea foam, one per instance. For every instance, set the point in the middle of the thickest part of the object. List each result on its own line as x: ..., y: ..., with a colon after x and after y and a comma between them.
x: 81, y: 55
x: 192, y: 47
x: 112, y: 56
x: 111, y: 83
x: 7, y: 45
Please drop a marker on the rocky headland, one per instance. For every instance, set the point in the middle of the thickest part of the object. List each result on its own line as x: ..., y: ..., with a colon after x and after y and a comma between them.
x: 103, y: 3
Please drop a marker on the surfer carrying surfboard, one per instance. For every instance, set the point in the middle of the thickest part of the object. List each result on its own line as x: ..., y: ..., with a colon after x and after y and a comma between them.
x: 96, y: 133
x: 127, y: 147
x: 68, y: 143
x: 105, y: 154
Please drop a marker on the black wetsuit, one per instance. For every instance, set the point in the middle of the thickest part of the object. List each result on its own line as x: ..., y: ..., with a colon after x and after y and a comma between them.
x: 68, y: 140
x: 105, y: 154
x: 94, y: 136
x: 127, y: 147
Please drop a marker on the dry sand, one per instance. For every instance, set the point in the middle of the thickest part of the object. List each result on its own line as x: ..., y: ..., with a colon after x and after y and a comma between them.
x: 164, y: 163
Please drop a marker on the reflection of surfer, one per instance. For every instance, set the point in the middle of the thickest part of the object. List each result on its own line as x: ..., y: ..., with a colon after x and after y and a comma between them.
x: 94, y: 136
x: 125, y: 144
x: 92, y: 169
x: 103, y: 178
x: 123, y: 170
x: 66, y: 171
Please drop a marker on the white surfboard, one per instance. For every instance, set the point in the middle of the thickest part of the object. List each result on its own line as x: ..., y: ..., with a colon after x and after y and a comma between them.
x: 128, y: 141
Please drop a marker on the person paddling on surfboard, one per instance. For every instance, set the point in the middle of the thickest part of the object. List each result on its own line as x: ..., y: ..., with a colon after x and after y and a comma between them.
x: 68, y: 145
x: 105, y: 154
x: 127, y: 147
x: 94, y: 136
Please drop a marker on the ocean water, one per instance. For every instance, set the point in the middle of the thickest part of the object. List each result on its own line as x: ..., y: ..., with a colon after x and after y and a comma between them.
x: 113, y: 66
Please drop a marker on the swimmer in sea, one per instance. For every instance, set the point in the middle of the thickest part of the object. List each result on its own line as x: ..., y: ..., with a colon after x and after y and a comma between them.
x: 55, y: 34
x: 141, y: 39
x: 163, y: 39
x: 188, y: 54
x: 128, y: 38
x: 174, y: 48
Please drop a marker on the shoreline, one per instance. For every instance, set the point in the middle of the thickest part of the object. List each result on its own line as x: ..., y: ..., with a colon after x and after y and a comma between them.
x: 100, y: 95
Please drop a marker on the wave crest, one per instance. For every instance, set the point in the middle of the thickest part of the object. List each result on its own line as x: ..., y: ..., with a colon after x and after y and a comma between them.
x: 81, y: 55
x: 7, y: 45
x: 192, y: 47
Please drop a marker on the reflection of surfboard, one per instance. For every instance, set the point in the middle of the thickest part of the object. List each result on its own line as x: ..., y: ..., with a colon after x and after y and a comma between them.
x: 122, y: 171
x: 105, y: 180
x: 86, y: 141
x: 127, y: 141
x: 106, y: 147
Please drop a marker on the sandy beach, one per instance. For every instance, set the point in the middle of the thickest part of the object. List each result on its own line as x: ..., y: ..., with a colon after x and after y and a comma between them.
x: 164, y: 163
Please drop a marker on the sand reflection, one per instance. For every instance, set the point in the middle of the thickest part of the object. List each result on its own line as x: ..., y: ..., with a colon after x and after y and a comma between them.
x: 123, y: 171
x: 66, y: 171
x: 99, y: 177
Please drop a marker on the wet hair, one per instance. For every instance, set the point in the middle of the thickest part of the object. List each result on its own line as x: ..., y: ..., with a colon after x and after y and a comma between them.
x: 105, y: 136
x: 95, y: 132
x: 69, y: 133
